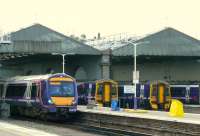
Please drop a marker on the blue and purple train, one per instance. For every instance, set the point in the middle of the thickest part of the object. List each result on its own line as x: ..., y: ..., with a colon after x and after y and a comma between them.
x: 188, y: 94
x: 151, y: 95
x: 39, y: 95
x: 155, y: 95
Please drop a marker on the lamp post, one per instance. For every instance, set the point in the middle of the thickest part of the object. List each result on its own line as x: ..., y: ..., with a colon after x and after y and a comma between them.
x: 63, y: 59
x: 63, y: 56
x: 134, y: 73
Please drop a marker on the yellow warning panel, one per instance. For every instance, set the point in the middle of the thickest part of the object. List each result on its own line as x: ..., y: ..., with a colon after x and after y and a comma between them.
x: 161, y: 94
x: 62, y: 101
x: 56, y: 79
x: 176, y: 109
x: 107, y: 93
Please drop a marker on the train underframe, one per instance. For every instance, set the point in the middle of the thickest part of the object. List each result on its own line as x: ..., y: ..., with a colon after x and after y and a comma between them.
x: 42, y: 113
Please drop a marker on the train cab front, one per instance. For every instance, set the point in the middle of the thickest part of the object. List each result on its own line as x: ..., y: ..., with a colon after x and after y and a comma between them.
x: 160, y: 96
x: 62, y: 95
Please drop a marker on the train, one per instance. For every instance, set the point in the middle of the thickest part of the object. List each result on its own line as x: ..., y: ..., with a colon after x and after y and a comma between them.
x: 186, y: 93
x: 102, y: 92
x: 155, y: 95
x: 40, y: 95
x: 86, y: 92
x: 106, y: 92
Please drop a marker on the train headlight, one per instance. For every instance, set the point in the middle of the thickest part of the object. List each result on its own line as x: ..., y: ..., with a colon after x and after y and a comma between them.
x: 73, y: 102
x: 50, y: 101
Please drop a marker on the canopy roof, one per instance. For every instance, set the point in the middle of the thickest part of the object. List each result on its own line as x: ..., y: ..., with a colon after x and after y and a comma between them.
x: 167, y: 42
x: 40, y: 39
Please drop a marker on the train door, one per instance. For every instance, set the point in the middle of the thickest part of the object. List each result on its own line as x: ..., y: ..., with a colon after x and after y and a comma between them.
x: 35, y: 92
x: 146, y: 98
x: 187, y: 97
x: 161, y: 96
x: 27, y: 95
x: 99, y: 93
x: 140, y: 94
x: 194, y: 94
x: 89, y: 93
x: 164, y: 96
x: 107, y: 94
x: 167, y: 97
x: 81, y: 92
x: 92, y: 91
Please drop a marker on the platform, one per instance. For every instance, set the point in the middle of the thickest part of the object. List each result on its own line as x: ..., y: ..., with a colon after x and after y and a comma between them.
x: 7, y: 129
x: 189, y: 118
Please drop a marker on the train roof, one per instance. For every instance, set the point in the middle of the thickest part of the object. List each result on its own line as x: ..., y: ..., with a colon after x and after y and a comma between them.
x: 159, y: 81
x: 33, y: 77
x: 106, y: 80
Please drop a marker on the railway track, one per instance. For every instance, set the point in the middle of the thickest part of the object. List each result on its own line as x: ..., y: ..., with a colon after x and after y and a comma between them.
x: 140, y: 125
x: 110, y: 125
x: 75, y: 125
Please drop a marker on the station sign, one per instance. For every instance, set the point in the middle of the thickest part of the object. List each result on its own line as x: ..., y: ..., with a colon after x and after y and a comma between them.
x: 90, y: 86
x: 129, y: 89
x: 136, y: 77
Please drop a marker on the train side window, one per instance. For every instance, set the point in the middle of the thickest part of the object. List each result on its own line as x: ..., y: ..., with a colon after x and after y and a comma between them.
x: 167, y: 93
x: 16, y: 90
x: 100, y: 90
x: 34, y: 90
x: 155, y: 90
x: 114, y: 90
x: 178, y: 91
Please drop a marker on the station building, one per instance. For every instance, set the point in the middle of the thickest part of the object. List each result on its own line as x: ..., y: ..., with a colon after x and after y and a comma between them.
x: 169, y: 55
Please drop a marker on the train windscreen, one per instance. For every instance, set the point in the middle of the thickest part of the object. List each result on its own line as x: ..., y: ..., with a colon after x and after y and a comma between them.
x: 178, y: 91
x: 61, y: 89
x: 113, y: 90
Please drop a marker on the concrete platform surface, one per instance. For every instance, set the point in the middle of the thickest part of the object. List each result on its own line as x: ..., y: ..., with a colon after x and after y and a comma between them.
x: 156, y: 115
x: 7, y: 129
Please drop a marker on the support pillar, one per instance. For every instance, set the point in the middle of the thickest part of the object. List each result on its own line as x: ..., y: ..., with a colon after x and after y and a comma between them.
x: 4, y: 110
x: 105, y: 64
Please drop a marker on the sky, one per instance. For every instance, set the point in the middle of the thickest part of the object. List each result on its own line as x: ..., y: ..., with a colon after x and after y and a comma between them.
x: 136, y: 17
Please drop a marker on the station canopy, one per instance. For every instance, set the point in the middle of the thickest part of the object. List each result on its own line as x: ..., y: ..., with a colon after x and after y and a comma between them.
x: 167, y: 42
x: 41, y: 39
